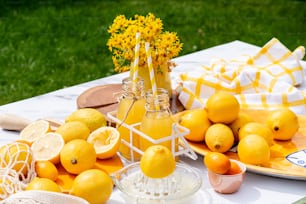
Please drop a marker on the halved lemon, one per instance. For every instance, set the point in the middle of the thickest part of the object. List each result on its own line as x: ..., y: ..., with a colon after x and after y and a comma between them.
x: 106, y: 141
x: 48, y: 147
x: 34, y: 130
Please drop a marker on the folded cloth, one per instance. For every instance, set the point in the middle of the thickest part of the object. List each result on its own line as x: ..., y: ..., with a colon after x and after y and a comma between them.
x: 267, y: 80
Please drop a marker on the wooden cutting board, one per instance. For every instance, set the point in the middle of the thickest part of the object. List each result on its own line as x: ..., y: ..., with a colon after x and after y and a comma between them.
x: 105, y: 99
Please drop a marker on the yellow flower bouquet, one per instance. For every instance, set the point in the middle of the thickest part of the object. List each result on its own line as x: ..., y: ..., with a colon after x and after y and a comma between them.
x: 164, y: 45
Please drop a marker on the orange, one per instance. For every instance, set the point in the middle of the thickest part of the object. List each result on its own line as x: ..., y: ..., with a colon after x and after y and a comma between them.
x: 34, y: 130
x: 43, y: 184
x: 283, y: 123
x: 48, y: 147
x: 157, y: 162
x: 234, y: 169
x: 222, y: 107
x: 217, y: 162
x: 77, y: 155
x: 46, y: 169
x: 73, y: 130
x: 219, y: 138
x: 106, y: 141
x: 197, y: 122
x: 93, y: 185
x: 253, y: 149
x: 18, y: 156
x: 257, y: 128
x: 89, y: 116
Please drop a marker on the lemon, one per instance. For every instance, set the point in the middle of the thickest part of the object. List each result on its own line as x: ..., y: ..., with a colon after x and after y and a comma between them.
x: 73, y: 130
x: 241, y: 120
x: 157, y: 162
x: 253, y: 149
x: 77, y: 155
x: 219, y: 138
x: 18, y: 156
x: 89, y: 116
x: 283, y: 123
x: 11, y: 182
x: 257, y: 128
x: 48, y: 147
x: 222, y: 108
x: 34, y: 130
x: 106, y: 141
x: 93, y: 185
x: 197, y: 122
x: 46, y: 169
x: 43, y: 184
x: 6, y: 186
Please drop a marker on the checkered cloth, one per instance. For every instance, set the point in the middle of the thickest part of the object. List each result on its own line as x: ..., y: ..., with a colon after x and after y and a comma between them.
x: 267, y: 80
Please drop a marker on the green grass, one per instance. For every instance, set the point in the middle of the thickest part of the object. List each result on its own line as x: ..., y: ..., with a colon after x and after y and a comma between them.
x: 47, y: 45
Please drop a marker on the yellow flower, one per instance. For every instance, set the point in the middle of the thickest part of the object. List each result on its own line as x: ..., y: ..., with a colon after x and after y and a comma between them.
x: 164, y: 44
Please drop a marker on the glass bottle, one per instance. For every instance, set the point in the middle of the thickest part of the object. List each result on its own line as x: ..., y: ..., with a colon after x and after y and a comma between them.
x: 157, y: 121
x: 131, y: 109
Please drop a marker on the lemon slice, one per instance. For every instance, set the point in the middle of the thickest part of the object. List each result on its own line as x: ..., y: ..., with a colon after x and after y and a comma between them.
x: 106, y: 141
x: 48, y: 147
x: 34, y: 130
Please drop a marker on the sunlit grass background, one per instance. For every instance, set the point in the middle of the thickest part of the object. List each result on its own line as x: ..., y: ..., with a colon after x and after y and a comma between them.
x: 48, y: 45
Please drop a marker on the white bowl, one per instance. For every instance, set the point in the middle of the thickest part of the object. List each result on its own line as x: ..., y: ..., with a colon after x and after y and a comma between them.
x: 43, y: 197
x: 136, y: 188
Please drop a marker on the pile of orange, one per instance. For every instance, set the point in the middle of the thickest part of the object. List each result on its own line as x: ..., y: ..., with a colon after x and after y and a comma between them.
x: 221, y: 125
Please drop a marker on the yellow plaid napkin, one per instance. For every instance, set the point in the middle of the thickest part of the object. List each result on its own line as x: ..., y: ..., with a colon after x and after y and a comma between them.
x: 267, y: 80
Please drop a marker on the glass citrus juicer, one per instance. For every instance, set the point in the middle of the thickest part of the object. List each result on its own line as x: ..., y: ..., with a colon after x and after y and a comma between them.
x: 157, y: 180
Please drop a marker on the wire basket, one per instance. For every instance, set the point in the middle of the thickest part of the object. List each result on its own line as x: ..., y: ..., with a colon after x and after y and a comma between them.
x: 178, y: 132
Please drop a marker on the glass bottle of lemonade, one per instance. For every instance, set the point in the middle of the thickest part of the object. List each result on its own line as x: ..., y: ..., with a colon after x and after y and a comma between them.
x: 131, y: 110
x: 157, y: 122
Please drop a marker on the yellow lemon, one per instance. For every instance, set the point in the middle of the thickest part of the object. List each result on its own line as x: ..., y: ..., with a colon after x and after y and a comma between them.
x: 43, y: 184
x: 197, y: 122
x: 10, y: 182
x: 73, y: 130
x: 46, y: 169
x: 89, y: 116
x: 222, y: 108
x: 93, y: 185
x: 77, y: 155
x: 219, y: 138
x: 253, y: 149
x: 283, y: 123
x: 18, y: 156
x: 48, y: 147
x: 106, y: 141
x: 258, y: 129
x: 157, y: 162
x: 241, y: 120
x: 35, y: 130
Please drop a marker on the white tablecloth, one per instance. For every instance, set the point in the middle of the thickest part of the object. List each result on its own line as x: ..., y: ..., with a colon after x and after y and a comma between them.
x: 255, y: 189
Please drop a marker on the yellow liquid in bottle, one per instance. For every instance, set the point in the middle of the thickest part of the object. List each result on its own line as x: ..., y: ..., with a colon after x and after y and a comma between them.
x: 135, y: 115
x: 156, y: 125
